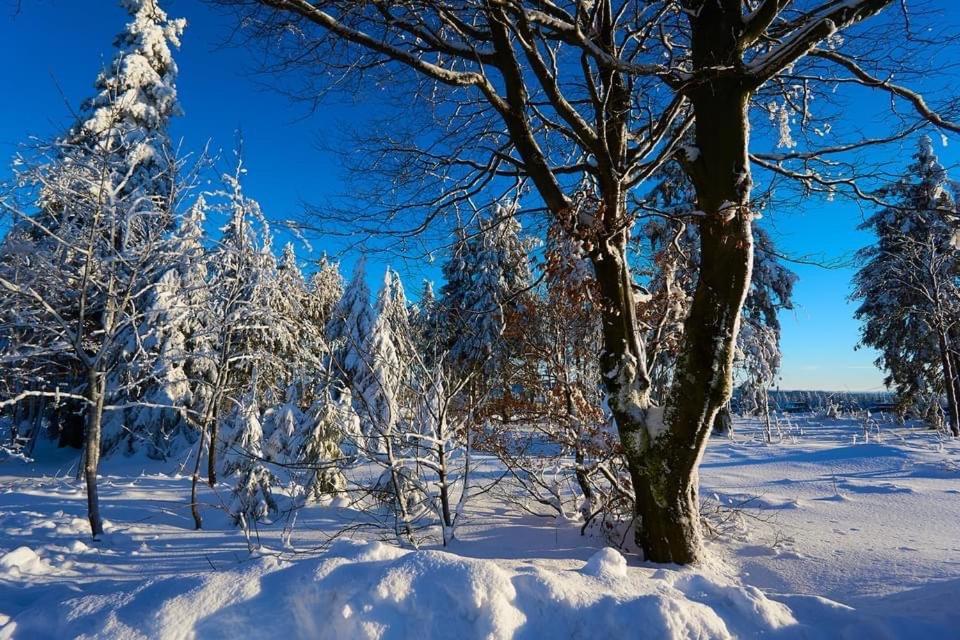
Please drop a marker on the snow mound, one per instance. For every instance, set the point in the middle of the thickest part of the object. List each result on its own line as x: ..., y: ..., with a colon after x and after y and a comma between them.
x: 606, y: 562
x: 379, y: 591
x: 23, y: 560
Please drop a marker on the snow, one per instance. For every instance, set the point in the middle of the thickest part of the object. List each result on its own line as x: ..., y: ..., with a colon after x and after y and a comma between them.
x: 22, y: 560
x: 606, y: 562
x: 828, y: 539
x: 654, y: 422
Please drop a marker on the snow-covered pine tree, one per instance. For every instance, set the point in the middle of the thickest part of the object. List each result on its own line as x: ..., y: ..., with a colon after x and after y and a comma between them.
x: 393, y: 305
x: 282, y: 425
x: 297, y: 346
x: 485, y: 300
x: 326, y: 289
x: 379, y: 395
x: 349, y: 328
x: 79, y: 300
x: 124, y: 126
x: 169, y: 364
x: 324, y: 427
x: 104, y: 196
x: 425, y: 321
x: 136, y: 97
x: 349, y: 335
x: 240, y: 311
x: 907, y: 285
x: 252, y: 497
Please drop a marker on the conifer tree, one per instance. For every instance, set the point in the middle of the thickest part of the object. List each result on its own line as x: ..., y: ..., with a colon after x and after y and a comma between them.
x: 326, y: 424
x: 168, y: 354
x: 136, y: 96
x: 485, y: 300
x: 325, y: 290
x: 252, y: 497
x: 350, y: 323
x: 907, y: 284
x: 103, y: 197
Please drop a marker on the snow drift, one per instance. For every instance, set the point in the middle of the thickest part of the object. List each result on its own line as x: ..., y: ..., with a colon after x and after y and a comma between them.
x: 374, y: 590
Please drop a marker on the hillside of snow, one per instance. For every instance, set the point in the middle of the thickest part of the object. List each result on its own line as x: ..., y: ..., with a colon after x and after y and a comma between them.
x: 826, y: 533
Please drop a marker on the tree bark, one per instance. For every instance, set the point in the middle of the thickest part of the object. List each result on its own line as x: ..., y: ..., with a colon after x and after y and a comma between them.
x: 95, y: 392
x: 664, y: 451
x: 444, y: 487
x: 952, y: 382
x: 195, y: 480
x: 212, y: 455
x: 624, y: 375
x: 723, y: 423
x: 948, y: 384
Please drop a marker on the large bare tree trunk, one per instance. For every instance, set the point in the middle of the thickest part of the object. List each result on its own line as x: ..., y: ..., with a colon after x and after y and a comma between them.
x: 667, y: 487
x: 96, y: 384
x: 664, y: 448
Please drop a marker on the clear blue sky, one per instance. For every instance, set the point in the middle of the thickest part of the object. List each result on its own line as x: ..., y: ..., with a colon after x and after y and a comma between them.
x: 53, y: 49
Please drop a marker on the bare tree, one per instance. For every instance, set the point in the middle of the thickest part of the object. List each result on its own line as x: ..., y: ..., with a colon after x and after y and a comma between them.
x: 599, y: 95
x: 81, y: 297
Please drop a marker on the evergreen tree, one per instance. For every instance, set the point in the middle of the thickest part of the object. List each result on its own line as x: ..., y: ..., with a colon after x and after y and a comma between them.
x: 241, y: 318
x: 103, y: 197
x: 325, y: 425
x: 389, y: 349
x: 168, y: 358
x: 486, y: 299
x: 393, y: 305
x: 326, y: 289
x: 252, y: 497
x: 907, y: 284
x: 282, y: 426
x: 424, y: 318
x: 349, y: 328
x: 135, y: 99
x: 117, y: 154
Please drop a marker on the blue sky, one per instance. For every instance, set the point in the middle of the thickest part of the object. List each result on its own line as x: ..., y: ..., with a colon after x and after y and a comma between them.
x: 54, y: 48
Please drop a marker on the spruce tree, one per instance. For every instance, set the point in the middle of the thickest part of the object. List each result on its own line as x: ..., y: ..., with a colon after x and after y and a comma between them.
x: 907, y: 284
x: 169, y: 364
x: 486, y: 294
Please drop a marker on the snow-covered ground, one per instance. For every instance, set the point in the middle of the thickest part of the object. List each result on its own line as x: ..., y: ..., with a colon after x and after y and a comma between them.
x: 821, y: 535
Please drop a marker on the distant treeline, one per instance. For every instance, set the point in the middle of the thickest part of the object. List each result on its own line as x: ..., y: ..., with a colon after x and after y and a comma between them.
x: 800, y: 400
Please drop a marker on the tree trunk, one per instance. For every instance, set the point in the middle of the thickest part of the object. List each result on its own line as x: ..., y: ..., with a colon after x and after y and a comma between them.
x: 212, y: 452
x: 954, y: 383
x: 663, y: 447
x: 954, y: 416
x: 195, y: 480
x: 444, y: 487
x: 723, y: 423
x: 623, y: 366
x: 718, y: 165
x: 95, y: 391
